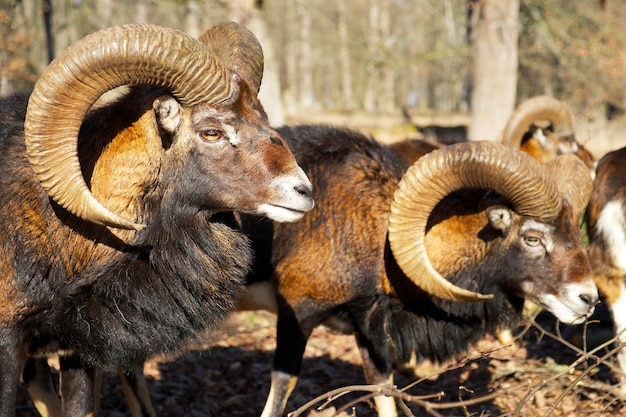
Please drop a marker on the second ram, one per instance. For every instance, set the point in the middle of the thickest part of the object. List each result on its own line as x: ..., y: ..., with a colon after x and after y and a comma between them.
x: 420, y: 264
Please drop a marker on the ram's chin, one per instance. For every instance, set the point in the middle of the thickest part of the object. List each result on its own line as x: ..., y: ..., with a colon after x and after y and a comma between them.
x: 569, y: 311
x: 280, y: 214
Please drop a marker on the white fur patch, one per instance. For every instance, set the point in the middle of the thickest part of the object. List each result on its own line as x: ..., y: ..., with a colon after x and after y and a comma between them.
x: 538, y: 226
x: 612, y: 227
x: 386, y: 405
x: 619, y: 314
x: 287, y: 203
x: 618, y: 309
x: 272, y: 403
x: 569, y: 307
x: 232, y: 135
x: 540, y: 137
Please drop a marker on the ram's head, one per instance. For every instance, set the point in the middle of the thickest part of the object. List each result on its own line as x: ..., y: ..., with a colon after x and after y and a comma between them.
x: 199, y: 124
x: 540, y: 253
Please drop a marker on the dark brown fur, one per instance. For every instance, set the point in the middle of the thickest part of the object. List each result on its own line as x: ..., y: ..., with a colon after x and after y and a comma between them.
x: 410, y: 150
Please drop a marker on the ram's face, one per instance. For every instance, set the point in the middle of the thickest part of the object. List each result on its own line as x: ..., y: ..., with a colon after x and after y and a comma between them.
x: 547, y: 264
x: 234, y: 160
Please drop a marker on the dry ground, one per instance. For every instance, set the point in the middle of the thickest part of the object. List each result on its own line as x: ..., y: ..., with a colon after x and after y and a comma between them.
x: 540, y: 374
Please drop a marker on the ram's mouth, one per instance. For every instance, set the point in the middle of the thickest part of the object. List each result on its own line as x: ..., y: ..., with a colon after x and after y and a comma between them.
x: 283, y: 214
x: 565, y: 312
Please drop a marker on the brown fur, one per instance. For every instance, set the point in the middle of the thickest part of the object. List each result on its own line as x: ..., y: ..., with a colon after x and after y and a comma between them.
x: 410, y: 150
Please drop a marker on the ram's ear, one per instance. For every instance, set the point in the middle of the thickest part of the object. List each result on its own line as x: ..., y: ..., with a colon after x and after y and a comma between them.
x: 167, y: 113
x: 500, y: 218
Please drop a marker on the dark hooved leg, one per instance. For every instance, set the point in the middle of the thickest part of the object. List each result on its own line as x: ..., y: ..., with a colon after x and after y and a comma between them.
x: 11, y: 366
x: 40, y: 385
x: 291, y: 341
x: 137, y: 393
x: 76, y: 386
x: 378, y: 371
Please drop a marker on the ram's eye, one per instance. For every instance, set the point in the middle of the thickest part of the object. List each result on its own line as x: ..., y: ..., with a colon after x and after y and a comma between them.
x: 210, y: 135
x: 532, y: 241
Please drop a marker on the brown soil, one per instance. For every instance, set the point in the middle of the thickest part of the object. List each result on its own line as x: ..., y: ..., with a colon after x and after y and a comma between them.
x: 537, y: 375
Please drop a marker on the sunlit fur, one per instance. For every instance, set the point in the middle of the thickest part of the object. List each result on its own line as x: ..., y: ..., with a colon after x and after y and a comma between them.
x: 410, y: 150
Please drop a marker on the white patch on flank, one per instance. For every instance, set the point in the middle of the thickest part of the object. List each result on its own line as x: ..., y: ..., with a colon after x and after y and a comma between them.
x: 612, y: 227
x: 619, y: 313
x: 618, y: 308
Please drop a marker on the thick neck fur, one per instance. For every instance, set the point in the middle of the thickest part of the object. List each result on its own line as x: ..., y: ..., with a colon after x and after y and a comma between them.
x: 437, y: 329
x: 144, y: 302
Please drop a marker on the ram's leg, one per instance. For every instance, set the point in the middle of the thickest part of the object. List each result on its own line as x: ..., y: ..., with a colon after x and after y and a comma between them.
x: 11, y: 366
x: 38, y: 381
x: 291, y: 341
x: 618, y: 310
x: 137, y: 393
x: 378, y: 371
x: 98, y: 386
x: 76, y: 386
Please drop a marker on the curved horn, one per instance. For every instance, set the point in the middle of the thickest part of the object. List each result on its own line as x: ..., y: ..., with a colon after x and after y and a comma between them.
x: 534, y: 109
x: 477, y: 165
x: 239, y: 50
x: 573, y: 178
x: 122, y: 55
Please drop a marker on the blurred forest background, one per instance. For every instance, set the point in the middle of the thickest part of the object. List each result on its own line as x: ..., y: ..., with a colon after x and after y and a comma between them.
x: 378, y: 65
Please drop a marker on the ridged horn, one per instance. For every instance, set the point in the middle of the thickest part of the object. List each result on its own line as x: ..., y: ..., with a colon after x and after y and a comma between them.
x: 573, y: 179
x: 239, y: 49
x: 123, y: 55
x: 534, y: 109
x: 513, y: 174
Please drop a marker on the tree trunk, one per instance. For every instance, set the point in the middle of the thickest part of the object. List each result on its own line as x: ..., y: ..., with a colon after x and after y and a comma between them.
x: 306, y: 93
x: 388, y: 82
x: 494, y: 66
x: 250, y: 14
x: 371, y: 94
x: 141, y: 12
x: 105, y: 12
x: 193, y: 19
x: 344, y: 57
x: 47, y: 19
